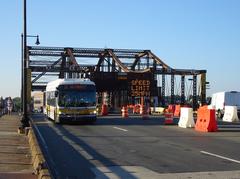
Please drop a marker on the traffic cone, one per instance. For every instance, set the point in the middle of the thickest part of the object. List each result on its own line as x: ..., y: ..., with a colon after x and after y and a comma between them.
x: 124, y: 112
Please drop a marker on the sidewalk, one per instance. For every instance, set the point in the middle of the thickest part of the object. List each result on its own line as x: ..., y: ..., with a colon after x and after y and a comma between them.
x: 15, y: 156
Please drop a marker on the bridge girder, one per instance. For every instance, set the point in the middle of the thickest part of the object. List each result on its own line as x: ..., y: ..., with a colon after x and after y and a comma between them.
x: 69, y: 60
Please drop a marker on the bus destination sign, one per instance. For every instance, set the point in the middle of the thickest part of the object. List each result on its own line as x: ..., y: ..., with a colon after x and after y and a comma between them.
x: 76, y: 87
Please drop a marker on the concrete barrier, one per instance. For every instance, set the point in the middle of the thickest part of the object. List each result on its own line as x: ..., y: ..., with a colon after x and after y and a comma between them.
x: 186, y: 118
x: 230, y: 114
x: 38, y: 160
x: 177, y: 111
x: 206, y: 120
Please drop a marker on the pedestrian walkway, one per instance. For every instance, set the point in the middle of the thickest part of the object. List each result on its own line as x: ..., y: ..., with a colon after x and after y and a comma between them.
x: 15, y: 155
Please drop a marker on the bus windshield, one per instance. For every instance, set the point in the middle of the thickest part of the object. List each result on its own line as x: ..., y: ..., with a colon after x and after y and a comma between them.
x: 76, y: 98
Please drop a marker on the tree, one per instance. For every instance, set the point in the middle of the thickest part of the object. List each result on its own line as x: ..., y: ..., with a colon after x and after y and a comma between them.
x: 17, y: 103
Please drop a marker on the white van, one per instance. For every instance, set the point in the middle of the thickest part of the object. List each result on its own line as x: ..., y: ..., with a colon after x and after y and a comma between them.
x: 221, y: 99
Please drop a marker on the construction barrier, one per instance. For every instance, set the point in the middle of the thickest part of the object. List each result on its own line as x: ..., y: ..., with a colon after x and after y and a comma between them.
x: 124, y: 112
x: 206, y: 120
x: 204, y: 107
x: 144, y: 111
x: 171, y: 108
x: 104, y: 110
x: 136, y: 109
x: 230, y: 114
x: 157, y: 110
x: 177, y: 110
x: 141, y: 109
x: 168, y: 118
x: 131, y: 108
x: 186, y: 118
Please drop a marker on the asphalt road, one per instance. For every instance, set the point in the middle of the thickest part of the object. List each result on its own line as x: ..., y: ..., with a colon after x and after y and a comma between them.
x: 136, y: 148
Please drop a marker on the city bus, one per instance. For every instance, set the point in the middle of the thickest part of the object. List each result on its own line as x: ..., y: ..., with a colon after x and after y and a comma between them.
x: 71, y: 100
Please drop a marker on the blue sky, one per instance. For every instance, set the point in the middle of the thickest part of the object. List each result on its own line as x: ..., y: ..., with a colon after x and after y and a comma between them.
x: 187, y: 34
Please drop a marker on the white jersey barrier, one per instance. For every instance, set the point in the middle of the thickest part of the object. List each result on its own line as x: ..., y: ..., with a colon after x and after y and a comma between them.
x: 230, y: 114
x: 186, y: 118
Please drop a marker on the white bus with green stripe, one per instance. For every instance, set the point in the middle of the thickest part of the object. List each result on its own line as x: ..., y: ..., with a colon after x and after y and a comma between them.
x: 71, y: 100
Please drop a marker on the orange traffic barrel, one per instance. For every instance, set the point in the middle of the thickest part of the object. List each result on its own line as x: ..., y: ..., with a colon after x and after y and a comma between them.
x: 136, y: 109
x: 124, y: 112
x: 144, y: 112
x: 141, y: 109
x: 168, y: 118
x: 171, y: 108
x: 104, y: 111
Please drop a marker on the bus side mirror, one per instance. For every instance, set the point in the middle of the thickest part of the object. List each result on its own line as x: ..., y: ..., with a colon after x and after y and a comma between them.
x: 56, y: 93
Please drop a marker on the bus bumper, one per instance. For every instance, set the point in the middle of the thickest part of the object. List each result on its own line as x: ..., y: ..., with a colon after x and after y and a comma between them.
x: 77, y: 118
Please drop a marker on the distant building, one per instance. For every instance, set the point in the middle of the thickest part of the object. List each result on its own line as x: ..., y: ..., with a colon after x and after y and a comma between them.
x: 37, y: 101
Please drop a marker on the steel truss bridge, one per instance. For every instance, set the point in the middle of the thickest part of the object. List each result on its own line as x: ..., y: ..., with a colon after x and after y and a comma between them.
x: 103, y: 64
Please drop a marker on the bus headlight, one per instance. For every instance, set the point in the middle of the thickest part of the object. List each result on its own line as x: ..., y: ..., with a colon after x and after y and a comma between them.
x: 61, y: 113
x: 93, y: 112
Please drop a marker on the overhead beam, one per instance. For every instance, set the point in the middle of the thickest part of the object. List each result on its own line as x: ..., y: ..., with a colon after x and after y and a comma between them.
x: 63, y: 65
x: 117, y: 61
x: 100, y: 61
x: 180, y: 72
x: 159, y: 61
x: 44, y: 72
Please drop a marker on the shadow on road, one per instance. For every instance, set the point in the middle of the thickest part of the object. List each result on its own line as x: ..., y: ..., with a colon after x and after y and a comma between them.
x: 93, y: 155
x: 71, y: 157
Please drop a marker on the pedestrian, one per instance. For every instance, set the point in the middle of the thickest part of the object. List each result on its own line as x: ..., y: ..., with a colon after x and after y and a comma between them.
x: 9, y: 105
x: 1, y: 106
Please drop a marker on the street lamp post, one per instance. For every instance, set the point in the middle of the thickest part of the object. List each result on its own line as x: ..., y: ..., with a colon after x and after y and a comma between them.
x: 25, y: 63
x: 22, y: 72
x: 25, y: 120
x: 22, y: 67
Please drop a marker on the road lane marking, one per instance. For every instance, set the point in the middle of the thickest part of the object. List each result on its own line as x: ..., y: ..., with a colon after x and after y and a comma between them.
x: 120, y: 129
x: 219, y: 156
x: 122, y: 171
